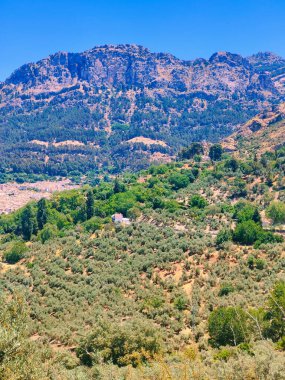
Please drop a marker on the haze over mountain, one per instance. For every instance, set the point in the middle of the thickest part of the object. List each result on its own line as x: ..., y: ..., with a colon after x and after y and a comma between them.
x: 98, y: 101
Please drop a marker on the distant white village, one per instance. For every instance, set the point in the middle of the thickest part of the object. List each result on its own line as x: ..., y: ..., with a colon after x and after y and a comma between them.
x: 14, y: 196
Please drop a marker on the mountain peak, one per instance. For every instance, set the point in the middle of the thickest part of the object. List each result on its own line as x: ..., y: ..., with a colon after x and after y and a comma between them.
x: 228, y: 58
x: 265, y: 56
x: 121, y: 47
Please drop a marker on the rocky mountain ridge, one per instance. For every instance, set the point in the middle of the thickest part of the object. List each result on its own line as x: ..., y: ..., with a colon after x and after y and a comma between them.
x: 122, y: 68
x: 272, y: 65
x: 109, y: 95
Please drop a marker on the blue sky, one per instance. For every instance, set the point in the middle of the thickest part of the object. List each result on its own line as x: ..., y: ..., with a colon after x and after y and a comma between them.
x: 31, y: 30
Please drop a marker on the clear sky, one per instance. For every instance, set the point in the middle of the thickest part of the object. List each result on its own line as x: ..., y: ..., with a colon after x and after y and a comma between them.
x: 32, y: 29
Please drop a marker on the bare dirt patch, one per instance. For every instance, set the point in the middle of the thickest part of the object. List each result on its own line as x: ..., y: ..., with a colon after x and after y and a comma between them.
x: 147, y: 141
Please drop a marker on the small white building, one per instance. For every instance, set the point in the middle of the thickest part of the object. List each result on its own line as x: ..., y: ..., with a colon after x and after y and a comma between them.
x: 119, y: 218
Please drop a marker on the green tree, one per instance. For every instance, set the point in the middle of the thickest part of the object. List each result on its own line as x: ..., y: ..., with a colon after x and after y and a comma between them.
x: 131, y: 344
x: 198, y: 201
x: 276, y: 312
x: 48, y: 232
x: 247, y: 232
x: 228, y: 325
x: 134, y: 213
x: 223, y: 236
x: 21, y: 359
x: 28, y: 222
x: 215, y: 152
x: 239, y: 188
x: 42, y: 213
x: 232, y: 164
x: 157, y: 202
x: 276, y: 211
x: 16, y: 253
x: 93, y: 224
x: 119, y: 187
x: 122, y: 202
x: 195, y: 149
x: 246, y: 211
x: 90, y: 204
x: 268, y: 237
x: 179, y: 181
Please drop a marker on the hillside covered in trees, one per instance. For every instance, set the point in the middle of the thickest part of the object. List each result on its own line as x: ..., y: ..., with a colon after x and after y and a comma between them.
x: 193, y: 288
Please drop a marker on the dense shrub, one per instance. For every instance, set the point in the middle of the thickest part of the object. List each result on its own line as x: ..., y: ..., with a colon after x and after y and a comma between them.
x: 247, y: 232
x: 276, y: 211
x: 130, y: 344
x: 225, y: 290
x: 16, y: 253
x: 198, y: 201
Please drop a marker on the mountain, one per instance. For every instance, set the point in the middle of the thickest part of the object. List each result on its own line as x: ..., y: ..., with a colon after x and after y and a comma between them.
x: 97, y: 102
x: 271, y: 64
x: 126, y: 67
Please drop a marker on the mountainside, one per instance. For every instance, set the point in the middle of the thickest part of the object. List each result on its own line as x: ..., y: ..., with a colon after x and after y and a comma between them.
x: 62, y: 76
x: 96, y: 101
x: 175, y: 272
x: 271, y: 64
x: 263, y: 133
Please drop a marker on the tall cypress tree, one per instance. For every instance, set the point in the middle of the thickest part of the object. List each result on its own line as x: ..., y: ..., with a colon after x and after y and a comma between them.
x: 90, y: 204
x: 28, y: 222
x: 42, y: 213
x: 119, y: 187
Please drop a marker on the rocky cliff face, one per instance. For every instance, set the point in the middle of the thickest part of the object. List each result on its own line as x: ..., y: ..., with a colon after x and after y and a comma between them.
x: 129, y: 67
x: 271, y: 65
x: 104, y: 97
